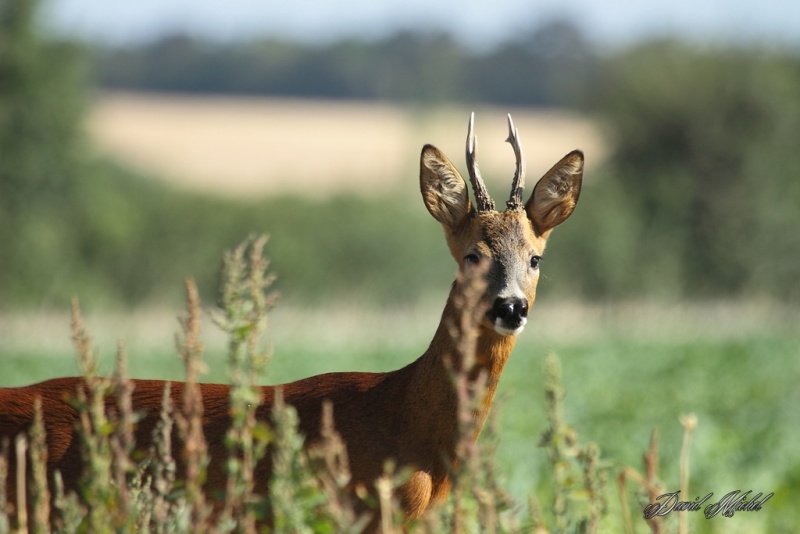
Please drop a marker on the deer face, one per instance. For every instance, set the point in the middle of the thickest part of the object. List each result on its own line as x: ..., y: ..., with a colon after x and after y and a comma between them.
x: 509, y: 245
x: 510, y: 252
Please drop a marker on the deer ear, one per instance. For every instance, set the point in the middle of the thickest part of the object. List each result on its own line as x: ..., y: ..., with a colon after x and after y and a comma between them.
x: 555, y: 195
x: 443, y: 190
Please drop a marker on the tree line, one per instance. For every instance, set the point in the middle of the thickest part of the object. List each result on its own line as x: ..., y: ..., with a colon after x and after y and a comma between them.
x: 542, y: 68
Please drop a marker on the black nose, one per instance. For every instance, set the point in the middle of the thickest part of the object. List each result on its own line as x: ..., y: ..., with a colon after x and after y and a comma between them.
x: 510, y: 310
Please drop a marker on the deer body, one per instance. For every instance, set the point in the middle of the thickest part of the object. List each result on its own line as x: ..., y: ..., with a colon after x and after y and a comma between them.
x: 408, y: 415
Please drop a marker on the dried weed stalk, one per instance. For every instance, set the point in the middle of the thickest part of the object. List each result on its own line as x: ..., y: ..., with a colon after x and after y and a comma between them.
x: 649, y: 485
x: 97, y: 483
x: 39, y: 491
x: 329, y: 461
x: 190, y: 419
x: 245, y: 302
x: 21, y: 449
x: 163, y: 470
x: 293, y: 493
x: 4, y: 522
x: 578, y: 475
x: 122, y: 439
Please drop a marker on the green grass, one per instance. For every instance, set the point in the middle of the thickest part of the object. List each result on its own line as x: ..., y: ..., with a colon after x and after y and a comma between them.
x: 620, y: 385
x: 743, y: 392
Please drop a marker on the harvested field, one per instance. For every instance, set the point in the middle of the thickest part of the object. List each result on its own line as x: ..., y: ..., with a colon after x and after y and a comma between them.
x: 240, y: 146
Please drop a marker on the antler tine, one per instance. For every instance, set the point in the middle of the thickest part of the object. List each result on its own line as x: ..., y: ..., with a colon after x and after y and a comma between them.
x: 518, y: 183
x: 482, y: 199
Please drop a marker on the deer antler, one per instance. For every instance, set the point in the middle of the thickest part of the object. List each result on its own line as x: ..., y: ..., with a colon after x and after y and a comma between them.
x: 482, y: 199
x: 518, y: 183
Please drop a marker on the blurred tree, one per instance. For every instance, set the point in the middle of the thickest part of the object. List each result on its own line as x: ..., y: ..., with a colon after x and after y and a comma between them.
x: 706, y: 168
x: 548, y: 66
x: 418, y: 67
x: 41, y: 106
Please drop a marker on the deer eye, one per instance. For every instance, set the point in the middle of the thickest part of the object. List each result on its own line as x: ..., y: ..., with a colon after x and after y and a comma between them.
x: 535, y: 261
x: 472, y: 259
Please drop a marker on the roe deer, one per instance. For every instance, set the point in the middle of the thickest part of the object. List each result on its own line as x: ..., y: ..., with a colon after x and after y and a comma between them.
x: 409, y: 415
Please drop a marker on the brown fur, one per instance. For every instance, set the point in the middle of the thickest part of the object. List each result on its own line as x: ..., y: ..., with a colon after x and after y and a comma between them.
x: 408, y: 415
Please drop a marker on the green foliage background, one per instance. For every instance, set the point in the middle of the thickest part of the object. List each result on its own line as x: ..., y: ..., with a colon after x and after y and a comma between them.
x: 707, y: 169
x: 699, y: 198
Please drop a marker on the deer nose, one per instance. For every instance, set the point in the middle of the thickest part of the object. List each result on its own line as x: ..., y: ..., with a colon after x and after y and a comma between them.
x: 510, y: 310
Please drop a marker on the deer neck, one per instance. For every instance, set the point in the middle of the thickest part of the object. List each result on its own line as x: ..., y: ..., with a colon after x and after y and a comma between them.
x: 434, y: 369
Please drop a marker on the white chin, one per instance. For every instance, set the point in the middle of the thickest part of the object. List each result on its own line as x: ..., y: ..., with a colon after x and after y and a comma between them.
x: 504, y: 331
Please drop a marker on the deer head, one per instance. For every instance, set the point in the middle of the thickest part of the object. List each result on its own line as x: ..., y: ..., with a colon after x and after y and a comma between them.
x: 511, y: 242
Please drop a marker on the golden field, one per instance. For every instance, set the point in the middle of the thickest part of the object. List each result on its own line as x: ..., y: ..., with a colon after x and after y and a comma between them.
x: 240, y: 146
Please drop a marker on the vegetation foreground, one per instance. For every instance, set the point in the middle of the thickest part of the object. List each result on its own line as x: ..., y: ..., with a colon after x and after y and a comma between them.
x: 739, y: 387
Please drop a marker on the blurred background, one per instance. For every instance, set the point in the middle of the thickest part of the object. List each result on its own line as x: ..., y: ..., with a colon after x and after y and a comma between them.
x: 139, y: 141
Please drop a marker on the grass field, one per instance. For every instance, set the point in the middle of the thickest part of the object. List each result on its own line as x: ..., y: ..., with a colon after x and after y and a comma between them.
x: 627, y: 369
